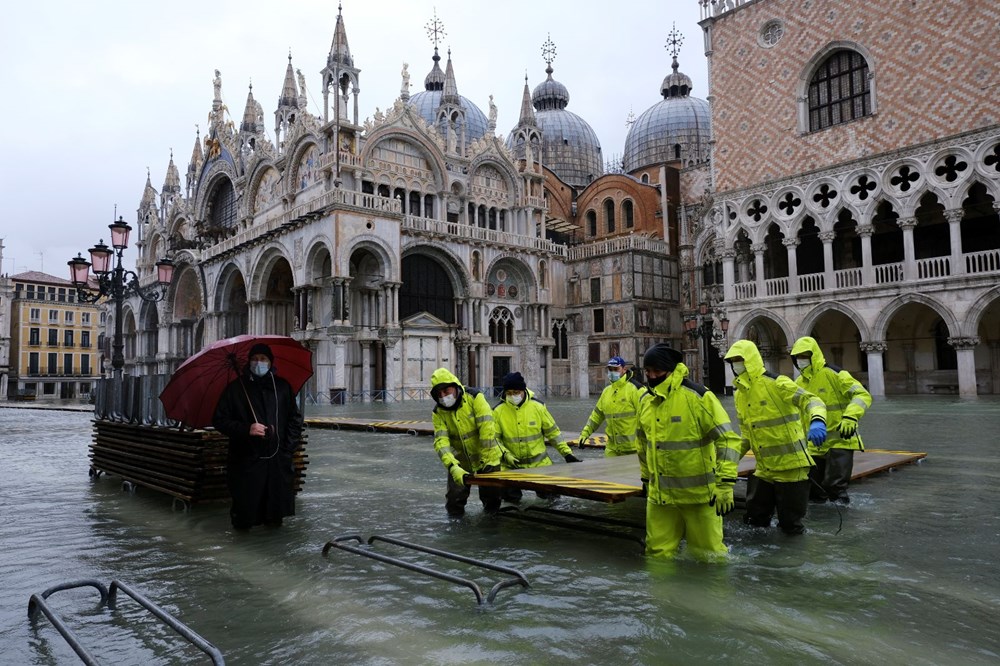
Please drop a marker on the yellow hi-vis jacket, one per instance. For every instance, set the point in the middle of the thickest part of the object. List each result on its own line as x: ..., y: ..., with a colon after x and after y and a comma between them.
x: 770, y: 410
x: 843, y: 395
x: 619, y: 405
x: 686, y: 442
x: 465, y: 435
x: 526, y: 429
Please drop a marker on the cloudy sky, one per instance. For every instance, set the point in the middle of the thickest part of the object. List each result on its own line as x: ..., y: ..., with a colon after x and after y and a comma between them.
x: 96, y: 92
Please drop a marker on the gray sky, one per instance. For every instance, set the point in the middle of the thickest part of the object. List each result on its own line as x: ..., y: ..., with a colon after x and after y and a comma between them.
x: 96, y: 92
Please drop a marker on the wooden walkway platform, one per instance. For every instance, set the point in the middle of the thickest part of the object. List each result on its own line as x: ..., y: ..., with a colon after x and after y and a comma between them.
x: 416, y: 428
x: 617, y: 479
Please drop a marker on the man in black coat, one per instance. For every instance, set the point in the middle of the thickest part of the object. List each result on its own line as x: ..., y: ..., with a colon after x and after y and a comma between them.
x: 258, y: 413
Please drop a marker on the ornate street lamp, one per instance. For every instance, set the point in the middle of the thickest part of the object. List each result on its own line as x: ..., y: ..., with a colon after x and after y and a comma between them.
x: 701, y: 325
x: 116, y: 283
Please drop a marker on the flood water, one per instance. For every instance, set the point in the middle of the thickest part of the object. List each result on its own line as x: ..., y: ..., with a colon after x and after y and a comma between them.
x: 911, y: 578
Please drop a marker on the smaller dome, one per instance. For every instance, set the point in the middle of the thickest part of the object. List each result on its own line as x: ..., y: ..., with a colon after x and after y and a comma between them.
x: 426, y: 103
x: 550, y: 94
x: 676, y: 83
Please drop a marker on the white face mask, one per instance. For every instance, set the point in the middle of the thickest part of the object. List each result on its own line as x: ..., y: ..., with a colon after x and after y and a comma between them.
x: 614, y: 376
x: 515, y: 399
x: 448, y: 401
x: 803, y: 363
x: 260, y: 368
x: 739, y: 367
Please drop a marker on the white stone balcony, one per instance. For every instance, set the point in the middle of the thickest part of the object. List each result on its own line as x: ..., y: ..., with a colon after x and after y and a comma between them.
x: 616, y: 245
x: 425, y: 226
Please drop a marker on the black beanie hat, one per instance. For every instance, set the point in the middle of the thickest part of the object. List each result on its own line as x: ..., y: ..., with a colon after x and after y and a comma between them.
x: 513, y: 381
x: 261, y: 348
x: 661, y: 356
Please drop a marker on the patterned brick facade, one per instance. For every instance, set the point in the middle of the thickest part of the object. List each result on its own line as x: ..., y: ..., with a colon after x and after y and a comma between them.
x: 933, y: 66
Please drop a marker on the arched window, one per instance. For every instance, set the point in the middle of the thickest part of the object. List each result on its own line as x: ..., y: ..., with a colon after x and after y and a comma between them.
x: 628, y: 213
x: 223, y: 211
x: 591, y: 223
x: 543, y: 275
x: 609, y: 215
x: 839, y: 90
x: 501, y: 327
x: 561, y: 350
x: 645, y: 178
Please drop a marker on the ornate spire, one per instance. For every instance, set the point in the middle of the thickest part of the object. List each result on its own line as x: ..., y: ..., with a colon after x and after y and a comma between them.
x: 250, y: 119
x: 289, y: 92
x: 339, y: 50
x: 172, y: 183
x: 435, y: 32
x: 450, y: 85
x: 148, y: 194
x: 527, y: 112
x: 550, y: 94
x: 676, y: 84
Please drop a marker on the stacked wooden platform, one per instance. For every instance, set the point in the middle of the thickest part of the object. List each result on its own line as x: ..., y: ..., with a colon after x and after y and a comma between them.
x: 189, y: 465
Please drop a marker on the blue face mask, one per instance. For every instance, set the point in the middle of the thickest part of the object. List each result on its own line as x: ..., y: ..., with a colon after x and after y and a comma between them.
x: 260, y: 368
x: 614, y: 376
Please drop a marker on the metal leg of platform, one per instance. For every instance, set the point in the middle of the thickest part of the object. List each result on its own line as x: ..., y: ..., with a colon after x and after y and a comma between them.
x: 517, y: 577
x: 108, y: 596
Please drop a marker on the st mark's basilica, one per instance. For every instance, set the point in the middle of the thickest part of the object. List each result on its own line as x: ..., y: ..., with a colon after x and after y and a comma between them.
x: 840, y: 179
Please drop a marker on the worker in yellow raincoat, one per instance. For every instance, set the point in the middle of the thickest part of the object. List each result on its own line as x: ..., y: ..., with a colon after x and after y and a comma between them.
x: 770, y: 409
x: 524, y: 427
x: 688, y: 457
x: 619, y: 406
x: 846, y: 402
x: 465, y: 440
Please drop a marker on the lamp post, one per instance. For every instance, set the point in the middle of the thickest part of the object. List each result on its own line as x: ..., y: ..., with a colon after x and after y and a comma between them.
x: 116, y: 283
x: 701, y: 325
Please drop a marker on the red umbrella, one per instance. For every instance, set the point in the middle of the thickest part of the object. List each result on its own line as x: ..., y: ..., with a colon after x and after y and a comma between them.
x: 194, y: 389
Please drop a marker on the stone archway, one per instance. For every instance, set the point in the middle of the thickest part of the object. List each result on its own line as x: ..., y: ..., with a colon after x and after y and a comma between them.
x: 274, y: 314
x: 234, y: 313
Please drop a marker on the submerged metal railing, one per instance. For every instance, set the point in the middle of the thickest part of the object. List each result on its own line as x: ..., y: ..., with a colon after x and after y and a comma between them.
x: 136, y: 399
x: 517, y: 579
x: 38, y: 602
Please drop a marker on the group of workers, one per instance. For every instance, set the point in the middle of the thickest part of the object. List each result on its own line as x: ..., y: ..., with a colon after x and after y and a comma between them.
x: 802, y: 433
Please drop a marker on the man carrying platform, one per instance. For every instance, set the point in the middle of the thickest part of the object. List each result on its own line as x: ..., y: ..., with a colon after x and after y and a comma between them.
x: 524, y: 427
x: 688, y: 458
x: 465, y: 440
x: 619, y: 405
x: 770, y: 409
x: 846, y: 402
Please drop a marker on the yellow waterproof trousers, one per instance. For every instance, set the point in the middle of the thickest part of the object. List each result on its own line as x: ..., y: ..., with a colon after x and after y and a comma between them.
x: 667, y: 524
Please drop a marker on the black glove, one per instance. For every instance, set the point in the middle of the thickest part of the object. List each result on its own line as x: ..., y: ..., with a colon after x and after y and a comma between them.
x: 645, y: 488
x: 571, y: 458
x: 490, y: 468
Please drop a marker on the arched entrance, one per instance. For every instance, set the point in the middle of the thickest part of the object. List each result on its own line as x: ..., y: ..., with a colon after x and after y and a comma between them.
x: 277, y: 307
x: 427, y: 287
x: 232, y: 305
x: 188, y: 309
x: 918, y: 358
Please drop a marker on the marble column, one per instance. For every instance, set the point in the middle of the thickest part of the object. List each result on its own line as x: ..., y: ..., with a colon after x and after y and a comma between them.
x: 366, y: 371
x: 909, y: 253
x: 793, y: 264
x: 954, y: 217
x: 758, y: 259
x: 728, y: 274
x: 865, y: 232
x: 876, y: 371
x: 828, y: 237
x: 965, y: 351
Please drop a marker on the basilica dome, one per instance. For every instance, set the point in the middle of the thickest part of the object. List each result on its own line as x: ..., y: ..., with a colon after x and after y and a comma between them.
x: 570, y: 147
x: 676, y: 128
x: 427, y: 101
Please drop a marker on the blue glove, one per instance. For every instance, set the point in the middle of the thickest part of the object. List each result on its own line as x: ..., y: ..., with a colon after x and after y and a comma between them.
x: 817, y: 432
x: 848, y: 427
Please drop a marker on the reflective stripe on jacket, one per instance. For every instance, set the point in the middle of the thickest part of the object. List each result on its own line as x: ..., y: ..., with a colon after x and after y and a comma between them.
x: 465, y: 435
x: 619, y: 405
x: 842, y: 394
x: 686, y: 441
x: 526, y: 429
x: 771, y: 410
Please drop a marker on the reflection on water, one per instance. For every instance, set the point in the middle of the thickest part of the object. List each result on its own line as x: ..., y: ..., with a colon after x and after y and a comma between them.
x: 911, y: 578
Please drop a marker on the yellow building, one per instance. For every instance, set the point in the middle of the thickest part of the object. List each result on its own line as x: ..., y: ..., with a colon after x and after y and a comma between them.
x: 54, y: 352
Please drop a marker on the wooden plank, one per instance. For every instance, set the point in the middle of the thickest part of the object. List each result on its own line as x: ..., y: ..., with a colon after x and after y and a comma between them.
x: 615, y: 479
